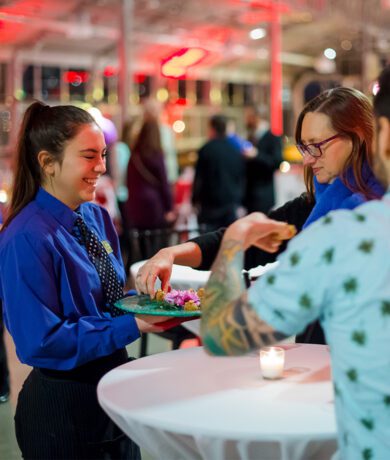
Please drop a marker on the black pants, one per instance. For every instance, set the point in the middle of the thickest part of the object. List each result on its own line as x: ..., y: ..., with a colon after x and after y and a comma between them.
x: 58, y: 416
x: 312, y: 334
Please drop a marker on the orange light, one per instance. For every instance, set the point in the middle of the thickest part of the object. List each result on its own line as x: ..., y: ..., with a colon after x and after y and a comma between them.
x: 176, y: 65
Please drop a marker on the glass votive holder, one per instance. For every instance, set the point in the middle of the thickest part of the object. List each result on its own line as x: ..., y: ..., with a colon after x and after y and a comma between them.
x: 272, y: 362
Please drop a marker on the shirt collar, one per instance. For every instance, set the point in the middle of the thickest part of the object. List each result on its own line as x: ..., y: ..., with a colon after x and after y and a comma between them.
x: 62, y: 213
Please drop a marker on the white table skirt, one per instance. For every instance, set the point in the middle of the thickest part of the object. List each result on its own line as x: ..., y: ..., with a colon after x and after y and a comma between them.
x: 187, y: 405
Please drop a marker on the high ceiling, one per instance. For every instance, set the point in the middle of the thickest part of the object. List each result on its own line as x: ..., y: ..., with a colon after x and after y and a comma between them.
x: 88, y: 30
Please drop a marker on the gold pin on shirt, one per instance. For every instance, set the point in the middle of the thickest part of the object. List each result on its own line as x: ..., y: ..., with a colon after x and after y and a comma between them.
x: 107, y: 246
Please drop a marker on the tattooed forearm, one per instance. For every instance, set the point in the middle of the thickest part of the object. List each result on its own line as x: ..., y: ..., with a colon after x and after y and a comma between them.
x: 230, y: 326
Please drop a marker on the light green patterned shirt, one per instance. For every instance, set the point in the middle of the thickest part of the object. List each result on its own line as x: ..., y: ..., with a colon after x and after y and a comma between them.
x: 338, y: 271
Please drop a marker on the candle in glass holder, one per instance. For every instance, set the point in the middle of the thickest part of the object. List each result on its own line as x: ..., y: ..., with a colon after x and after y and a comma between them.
x: 272, y: 362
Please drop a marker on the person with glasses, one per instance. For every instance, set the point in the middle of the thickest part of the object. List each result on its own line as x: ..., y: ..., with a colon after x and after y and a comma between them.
x: 336, y: 270
x: 334, y: 134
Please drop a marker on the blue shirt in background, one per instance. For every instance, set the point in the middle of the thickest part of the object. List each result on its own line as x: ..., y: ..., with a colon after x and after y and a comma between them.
x: 52, y: 295
x: 238, y: 142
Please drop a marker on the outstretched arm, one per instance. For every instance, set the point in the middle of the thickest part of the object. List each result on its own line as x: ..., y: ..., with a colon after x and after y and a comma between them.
x: 160, y: 266
x: 230, y: 325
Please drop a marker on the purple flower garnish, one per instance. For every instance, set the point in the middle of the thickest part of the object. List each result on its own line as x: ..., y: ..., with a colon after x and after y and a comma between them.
x: 179, y: 298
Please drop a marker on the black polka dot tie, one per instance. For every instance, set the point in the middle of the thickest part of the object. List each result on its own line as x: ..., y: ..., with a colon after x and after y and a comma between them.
x: 112, y: 287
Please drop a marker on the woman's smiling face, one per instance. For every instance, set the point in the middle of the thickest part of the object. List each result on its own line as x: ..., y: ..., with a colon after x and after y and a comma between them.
x: 73, y: 181
x: 316, y: 127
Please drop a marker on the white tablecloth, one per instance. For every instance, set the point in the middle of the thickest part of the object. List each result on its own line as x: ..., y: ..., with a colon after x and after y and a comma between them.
x: 185, y: 404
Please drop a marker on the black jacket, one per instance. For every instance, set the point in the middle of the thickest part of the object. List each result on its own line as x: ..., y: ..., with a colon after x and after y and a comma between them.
x: 259, y: 193
x: 219, y: 180
x: 294, y: 212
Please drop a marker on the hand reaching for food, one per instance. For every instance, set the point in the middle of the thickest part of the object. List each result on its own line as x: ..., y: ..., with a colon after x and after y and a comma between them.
x: 258, y: 230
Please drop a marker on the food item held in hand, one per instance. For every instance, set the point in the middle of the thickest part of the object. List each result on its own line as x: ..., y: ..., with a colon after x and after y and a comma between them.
x: 159, y: 295
x: 188, y: 300
x: 292, y: 232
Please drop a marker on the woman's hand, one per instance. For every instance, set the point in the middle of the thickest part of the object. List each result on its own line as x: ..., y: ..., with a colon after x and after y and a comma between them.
x: 151, y: 323
x: 159, y: 266
x: 258, y: 230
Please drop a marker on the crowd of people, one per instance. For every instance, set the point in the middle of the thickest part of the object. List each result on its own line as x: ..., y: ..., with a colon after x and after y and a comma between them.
x: 330, y: 286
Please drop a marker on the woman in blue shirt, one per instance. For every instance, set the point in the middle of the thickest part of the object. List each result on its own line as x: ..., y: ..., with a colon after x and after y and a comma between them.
x: 56, y: 294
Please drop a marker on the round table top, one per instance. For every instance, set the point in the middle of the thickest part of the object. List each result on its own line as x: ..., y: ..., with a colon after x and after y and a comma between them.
x: 188, y: 392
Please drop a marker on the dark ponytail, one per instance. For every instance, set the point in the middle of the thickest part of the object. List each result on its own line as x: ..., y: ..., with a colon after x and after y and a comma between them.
x: 43, y: 128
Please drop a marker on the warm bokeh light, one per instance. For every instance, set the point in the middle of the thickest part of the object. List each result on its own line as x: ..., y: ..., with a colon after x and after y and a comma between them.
x: 112, y: 99
x: 19, y: 94
x: 215, y: 96
x: 3, y: 196
x: 258, y: 33
x: 134, y: 99
x: 98, y: 94
x: 330, y: 53
x: 178, y: 126
x: 162, y: 94
x: 176, y: 65
x: 284, y: 167
x: 346, y: 45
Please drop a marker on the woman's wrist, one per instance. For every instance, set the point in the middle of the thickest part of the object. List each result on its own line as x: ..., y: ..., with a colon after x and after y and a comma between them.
x: 188, y: 254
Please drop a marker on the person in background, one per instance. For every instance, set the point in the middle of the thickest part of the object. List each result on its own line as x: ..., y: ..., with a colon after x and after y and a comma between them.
x: 149, y: 205
x: 60, y: 273
x: 337, y: 271
x: 338, y: 175
x: 153, y: 111
x: 119, y: 159
x: 260, y: 194
x: 219, y: 178
x: 105, y: 195
x: 244, y: 146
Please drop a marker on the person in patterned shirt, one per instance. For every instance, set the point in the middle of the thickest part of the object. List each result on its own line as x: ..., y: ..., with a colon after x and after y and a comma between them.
x: 337, y: 271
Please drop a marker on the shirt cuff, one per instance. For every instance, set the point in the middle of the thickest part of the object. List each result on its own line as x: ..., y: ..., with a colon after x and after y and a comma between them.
x: 125, y: 330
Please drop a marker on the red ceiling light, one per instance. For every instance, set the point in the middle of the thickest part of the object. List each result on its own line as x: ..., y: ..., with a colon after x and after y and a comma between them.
x: 75, y: 78
x: 139, y: 78
x: 176, y: 65
x: 110, y: 71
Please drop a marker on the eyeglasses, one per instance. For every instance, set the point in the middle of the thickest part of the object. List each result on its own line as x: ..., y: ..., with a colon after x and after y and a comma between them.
x: 314, y: 150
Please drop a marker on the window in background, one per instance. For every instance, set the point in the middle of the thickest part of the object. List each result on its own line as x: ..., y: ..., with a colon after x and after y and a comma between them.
x: 51, y: 83
x: 3, y: 76
x: 77, y: 80
x: 202, y: 90
x: 143, y: 85
x: 247, y: 94
x: 28, y: 82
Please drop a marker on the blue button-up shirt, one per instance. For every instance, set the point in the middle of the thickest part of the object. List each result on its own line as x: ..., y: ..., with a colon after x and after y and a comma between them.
x: 52, y: 296
x: 338, y: 270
